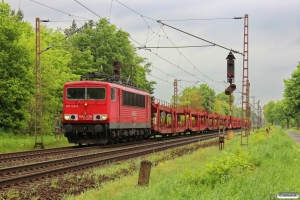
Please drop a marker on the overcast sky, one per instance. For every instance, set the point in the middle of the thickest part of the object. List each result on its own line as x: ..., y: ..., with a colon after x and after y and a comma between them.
x: 274, y: 38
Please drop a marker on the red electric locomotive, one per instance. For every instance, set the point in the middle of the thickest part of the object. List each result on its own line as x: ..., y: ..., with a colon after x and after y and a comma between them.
x: 99, y: 111
x: 109, y: 110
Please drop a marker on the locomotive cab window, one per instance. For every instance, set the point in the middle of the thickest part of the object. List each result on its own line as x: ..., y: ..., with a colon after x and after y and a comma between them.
x: 86, y: 93
x: 112, y: 94
x: 96, y: 93
x: 75, y: 93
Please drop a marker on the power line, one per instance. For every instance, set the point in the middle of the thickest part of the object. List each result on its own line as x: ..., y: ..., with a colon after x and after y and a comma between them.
x: 150, y: 50
x: 184, y: 70
x: 194, y: 19
x: 163, y: 80
x: 192, y: 64
x: 68, y: 20
x: 166, y: 37
x: 149, y: 27
x: 145, y: 47
x: 58, y: 10
x: 174, y: 76
x: 129, y: 36
x: 199, y: 38
x: 88, y: 9
x: 50, y: 46
x: 135, y: 11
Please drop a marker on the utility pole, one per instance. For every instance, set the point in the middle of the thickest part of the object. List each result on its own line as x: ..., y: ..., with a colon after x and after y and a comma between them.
x: 254, y: 111
x: 38, y: 109
x: 175, y: 92
x: 258, y: 116
x: 246, y: 86
x: 38, y: 121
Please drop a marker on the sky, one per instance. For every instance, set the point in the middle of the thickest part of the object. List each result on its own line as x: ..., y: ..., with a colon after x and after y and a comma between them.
x: 273, y: 38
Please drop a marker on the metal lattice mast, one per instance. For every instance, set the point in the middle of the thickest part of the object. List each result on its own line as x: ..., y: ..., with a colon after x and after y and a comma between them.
x: 246, y: 86
x: 38, y: 91
x: 258, y: 115
x: 175, y: 92
x: 254, y: 111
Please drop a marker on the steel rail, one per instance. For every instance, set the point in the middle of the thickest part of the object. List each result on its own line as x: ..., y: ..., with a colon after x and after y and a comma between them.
x: 58, y: 167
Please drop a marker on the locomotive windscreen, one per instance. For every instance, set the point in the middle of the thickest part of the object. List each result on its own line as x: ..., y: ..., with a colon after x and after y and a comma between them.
x: 86, y: 93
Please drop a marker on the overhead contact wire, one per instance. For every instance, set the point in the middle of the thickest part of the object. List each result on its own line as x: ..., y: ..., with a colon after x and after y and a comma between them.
x: 58, y: 10
x: 199, y: 37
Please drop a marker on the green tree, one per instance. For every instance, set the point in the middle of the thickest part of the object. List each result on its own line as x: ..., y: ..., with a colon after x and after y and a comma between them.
x: 287, y: 112
x: 208, y: 97
x: 99, y: 45
x: 16, y: 59
x: 269, y: 112
x: 222, y: 104
x: 278, y: 112
x: 191, y: 97
x: 292, y: 95
x: 56, y: 72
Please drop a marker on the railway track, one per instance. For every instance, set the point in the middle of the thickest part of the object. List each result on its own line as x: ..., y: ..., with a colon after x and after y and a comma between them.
x: 27, y: 157
x: 16, y: 177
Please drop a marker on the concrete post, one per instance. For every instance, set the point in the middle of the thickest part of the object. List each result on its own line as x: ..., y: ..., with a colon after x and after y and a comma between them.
x: 144, y: 175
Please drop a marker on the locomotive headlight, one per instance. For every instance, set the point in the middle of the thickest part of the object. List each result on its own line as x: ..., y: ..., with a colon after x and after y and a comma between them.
x: 67, y: 117
x: 100, y: 117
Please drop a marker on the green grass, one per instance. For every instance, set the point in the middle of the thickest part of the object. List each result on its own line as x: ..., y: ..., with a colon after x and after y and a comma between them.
x: 269, y: 165
x: 13, y: 143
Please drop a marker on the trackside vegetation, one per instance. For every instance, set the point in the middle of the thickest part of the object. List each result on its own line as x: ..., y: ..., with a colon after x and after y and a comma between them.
x: 12, y: 143
x: 269, y: 165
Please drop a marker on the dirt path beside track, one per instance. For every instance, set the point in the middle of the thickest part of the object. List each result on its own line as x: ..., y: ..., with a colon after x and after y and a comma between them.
x: 295, y: 136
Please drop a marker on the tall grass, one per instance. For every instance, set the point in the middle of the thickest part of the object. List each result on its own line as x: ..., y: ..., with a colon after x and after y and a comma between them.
x: 269, y: 165
x: 11, y: 143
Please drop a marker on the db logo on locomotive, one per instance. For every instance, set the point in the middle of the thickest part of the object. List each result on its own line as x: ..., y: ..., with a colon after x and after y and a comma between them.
x: 85, y: 117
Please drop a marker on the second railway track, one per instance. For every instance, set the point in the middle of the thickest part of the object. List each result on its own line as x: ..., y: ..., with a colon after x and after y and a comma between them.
x: 16, y: 176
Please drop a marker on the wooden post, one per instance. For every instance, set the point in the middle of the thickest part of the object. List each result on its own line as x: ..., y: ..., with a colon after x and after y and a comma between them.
x: 144, y: 175
x: 221, y: 135
x: 57, y: 126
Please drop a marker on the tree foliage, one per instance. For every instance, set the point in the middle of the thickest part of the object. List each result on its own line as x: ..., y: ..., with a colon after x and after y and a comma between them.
x: 269, y: 112
x: 292, y: 95
x: 54, y: 63
x: 208, y: 95
x: 191, y: 97
x: 16, y: 60
x: 99, y: 44
x: 205, y: 98
x: 65, y: 55
x: 288, y: 109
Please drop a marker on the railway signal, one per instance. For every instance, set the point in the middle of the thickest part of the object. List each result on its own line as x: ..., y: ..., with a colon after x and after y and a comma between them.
x: 230, y: 89
x: 230, y: 67
x: 230, y: 79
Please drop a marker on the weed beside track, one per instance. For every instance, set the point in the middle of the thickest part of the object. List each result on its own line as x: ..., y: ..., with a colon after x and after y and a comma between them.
x: 76, y: 183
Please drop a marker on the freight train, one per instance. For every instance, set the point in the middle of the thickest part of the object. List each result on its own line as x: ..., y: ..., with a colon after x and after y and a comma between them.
x: 109, y: 110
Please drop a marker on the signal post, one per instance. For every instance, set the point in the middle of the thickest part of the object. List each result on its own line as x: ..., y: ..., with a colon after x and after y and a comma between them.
x: 230, y: 79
